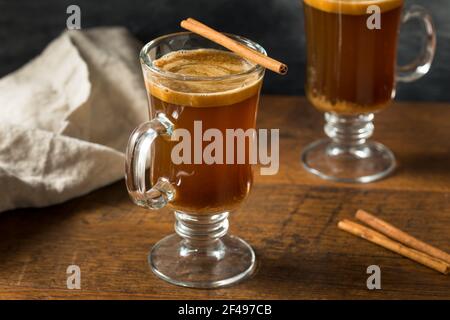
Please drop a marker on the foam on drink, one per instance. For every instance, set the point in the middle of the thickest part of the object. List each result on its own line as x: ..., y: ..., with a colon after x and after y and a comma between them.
x: 354, y: 7
x: 209, y: 65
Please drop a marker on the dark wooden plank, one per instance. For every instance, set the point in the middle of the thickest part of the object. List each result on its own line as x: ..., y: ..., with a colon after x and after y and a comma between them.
x: 290, y: 219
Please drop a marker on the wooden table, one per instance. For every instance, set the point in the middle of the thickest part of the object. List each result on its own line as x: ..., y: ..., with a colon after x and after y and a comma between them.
x: 290, y: 220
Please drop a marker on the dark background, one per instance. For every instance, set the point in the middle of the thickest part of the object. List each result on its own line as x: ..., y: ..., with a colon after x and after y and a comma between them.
x: 26, y: 27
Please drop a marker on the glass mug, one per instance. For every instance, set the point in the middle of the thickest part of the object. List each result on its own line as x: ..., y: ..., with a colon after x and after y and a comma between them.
x: 351, y: 74
x: 200, y: 254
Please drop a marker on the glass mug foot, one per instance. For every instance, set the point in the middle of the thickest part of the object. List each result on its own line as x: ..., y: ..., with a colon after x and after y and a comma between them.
x: 207, y: 259
x: 362, y: 164
x: 347, y: 155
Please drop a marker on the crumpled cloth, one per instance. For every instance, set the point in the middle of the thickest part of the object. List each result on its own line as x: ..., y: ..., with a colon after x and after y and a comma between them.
x: 66, y: 117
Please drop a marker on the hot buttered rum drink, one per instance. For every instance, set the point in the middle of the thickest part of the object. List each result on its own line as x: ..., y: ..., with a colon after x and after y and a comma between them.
x: 351, y: 64
x: 214, y: 87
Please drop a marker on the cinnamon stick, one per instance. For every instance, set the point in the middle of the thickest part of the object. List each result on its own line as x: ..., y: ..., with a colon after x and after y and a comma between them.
x: 383, y: 241
x: 244, y: 51
x: 401, y: 236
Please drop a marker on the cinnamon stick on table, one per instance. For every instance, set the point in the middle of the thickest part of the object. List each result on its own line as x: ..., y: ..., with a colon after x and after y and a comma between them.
x: 219, y: 38
x: 397, y: 234
x: 381, y: 240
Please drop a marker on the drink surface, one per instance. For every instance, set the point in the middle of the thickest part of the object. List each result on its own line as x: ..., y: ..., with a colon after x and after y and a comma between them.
x: 230, y: 85
x: 203, y: 62
x: 350, y: 67
x: 356, y: 7
x: 220, y: 102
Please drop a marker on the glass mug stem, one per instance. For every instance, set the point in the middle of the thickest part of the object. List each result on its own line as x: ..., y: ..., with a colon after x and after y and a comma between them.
x: 202, y: 233
x: 348, y: 131
x: 202, y: 230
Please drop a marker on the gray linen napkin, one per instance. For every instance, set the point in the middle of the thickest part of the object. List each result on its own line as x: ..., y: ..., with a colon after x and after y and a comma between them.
x: 66, y: 117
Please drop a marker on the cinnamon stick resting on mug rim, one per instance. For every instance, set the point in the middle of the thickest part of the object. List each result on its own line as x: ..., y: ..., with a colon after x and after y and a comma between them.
x: 397, y: 234
x: 383, y: 241
x: 219, y: 38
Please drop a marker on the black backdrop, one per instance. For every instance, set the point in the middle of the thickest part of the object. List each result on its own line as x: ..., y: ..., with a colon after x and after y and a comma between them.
x: 27, y: 26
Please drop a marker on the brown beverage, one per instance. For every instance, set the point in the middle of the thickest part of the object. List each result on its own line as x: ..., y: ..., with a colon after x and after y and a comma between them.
x: 221, y: 104
x: 350, y: 68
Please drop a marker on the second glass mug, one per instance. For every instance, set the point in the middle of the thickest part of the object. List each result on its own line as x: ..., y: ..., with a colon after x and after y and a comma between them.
x: 351, y: 74
x: 200, y: 254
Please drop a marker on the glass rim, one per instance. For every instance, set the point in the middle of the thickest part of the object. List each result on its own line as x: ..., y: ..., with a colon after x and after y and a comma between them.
x: 148, y: 62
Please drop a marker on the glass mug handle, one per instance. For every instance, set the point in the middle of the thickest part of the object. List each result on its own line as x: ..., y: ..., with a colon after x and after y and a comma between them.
x: 421, y: 65
x: 137, y: 153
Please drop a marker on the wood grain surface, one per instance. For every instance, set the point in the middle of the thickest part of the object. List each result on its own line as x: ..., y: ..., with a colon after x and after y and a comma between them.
x: 290, y: 220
